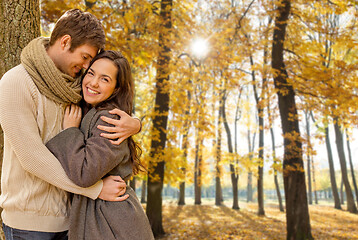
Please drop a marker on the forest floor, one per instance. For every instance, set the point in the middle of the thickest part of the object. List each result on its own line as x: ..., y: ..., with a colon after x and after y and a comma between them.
x: 207, y: 221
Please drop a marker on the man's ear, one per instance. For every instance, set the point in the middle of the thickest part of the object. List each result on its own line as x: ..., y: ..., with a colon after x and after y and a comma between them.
x: 65, y: 42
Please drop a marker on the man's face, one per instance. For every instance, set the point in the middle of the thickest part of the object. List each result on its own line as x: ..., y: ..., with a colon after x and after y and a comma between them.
x: 72, y: 63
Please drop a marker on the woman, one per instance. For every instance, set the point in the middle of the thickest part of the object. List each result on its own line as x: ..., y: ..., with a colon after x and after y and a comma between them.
x: 87, y: 157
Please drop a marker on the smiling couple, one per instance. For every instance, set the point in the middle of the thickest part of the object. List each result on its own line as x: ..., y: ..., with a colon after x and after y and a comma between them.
x: 54, y: 158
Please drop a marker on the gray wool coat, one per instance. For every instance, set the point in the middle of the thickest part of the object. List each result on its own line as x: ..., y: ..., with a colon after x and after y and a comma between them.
x: 87, y: 157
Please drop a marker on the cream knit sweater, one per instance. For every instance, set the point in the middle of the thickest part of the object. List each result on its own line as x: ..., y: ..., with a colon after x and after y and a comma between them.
x: 33, y: 183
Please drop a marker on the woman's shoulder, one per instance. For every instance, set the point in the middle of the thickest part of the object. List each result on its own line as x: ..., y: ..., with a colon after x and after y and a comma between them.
x: 96, y: 115
x: 93, y: 118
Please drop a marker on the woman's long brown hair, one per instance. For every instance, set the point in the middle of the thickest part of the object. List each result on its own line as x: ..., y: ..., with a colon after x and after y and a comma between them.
x: 122, y: 98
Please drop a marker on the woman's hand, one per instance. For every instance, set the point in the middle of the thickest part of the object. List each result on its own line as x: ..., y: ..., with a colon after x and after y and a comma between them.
x: 114, y: 188
x: 73, y: 116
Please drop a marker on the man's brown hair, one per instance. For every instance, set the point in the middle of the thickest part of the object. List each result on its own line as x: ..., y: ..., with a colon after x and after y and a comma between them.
x: 83, y: 27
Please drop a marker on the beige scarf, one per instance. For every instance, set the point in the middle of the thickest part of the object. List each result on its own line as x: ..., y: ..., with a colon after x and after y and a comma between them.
x: 50, y: 81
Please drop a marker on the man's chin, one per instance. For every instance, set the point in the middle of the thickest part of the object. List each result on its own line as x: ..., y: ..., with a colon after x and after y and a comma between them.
x: 81, y: 72
x: 78, y: 74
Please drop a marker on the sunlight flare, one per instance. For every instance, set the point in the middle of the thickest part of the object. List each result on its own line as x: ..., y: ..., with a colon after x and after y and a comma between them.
x: 200, y: 47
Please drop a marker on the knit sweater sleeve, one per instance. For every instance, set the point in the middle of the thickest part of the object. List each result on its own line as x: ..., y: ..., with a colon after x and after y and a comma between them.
x: 18, y: 121
x: 87, y: 160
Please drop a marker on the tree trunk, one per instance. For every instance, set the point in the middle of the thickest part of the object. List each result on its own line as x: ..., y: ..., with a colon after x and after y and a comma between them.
x: 132, y: 183
x: 332, y: 173
x: 260, y: 179
x: 156, y: 164
x: 251, y: 147
x: 308, y: 158
x: 181, y: 200
x: 351, y: 207
x: 310, y: 163
x: 314, y: 181
x: 309, y: 180
x: 260, y: 113
x: 185, y: 145
x: 233, y: 172
x: 297, y: 215
x: 197, y: 167
x: 278, y: 192
x: 144, y: 192
x: 19, y: 24
x: 218, y: 189
x: 235, y: 187
x: 342, y: 190
x: 352, y: 169
x: 249, y: 187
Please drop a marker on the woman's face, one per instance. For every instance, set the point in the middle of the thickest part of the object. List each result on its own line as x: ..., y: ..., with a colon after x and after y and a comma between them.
x: 100, y: 81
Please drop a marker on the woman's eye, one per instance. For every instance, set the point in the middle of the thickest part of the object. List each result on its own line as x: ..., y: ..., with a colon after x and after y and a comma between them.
x: 90, y: 73
x: 85, y: 57
x: 105, y: 79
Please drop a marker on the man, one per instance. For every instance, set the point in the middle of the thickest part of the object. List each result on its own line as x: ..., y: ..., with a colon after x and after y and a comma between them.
x: 33, y: 96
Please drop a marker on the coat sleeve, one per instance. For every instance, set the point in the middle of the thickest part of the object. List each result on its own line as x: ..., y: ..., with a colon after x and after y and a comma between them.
x: 87, y: 161
x: 18, y: 121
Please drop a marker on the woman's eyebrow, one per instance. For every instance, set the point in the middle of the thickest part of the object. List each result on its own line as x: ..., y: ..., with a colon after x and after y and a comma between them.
x: 105, y: 75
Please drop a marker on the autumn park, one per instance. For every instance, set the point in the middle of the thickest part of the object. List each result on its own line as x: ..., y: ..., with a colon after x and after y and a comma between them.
x: 249, y: 110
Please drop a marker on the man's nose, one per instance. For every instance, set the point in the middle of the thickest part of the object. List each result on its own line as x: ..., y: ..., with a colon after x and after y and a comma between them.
x: 86, y: 64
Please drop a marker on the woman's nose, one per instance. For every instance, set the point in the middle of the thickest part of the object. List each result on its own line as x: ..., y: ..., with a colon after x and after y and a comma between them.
x: 94, y: 82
